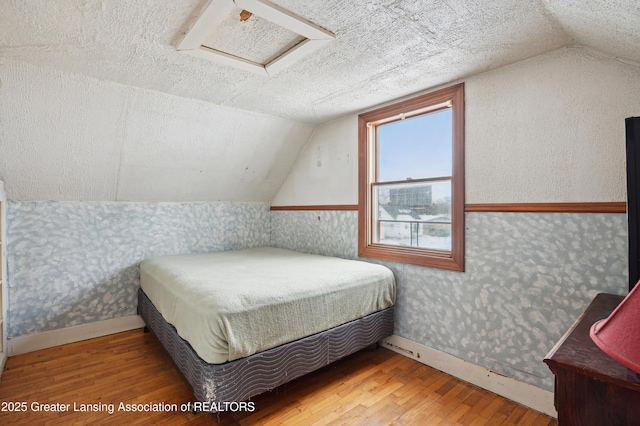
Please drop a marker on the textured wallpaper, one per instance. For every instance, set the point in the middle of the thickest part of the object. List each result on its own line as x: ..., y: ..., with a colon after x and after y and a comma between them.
x: 72, y: 263
x: 326, y: 232
x: 528, y: 277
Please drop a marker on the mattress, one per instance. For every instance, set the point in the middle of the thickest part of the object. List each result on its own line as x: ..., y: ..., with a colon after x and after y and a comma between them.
x: 232, y: 304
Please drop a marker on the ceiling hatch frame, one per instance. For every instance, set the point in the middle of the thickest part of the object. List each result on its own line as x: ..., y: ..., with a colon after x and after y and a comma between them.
x: 214, y: 12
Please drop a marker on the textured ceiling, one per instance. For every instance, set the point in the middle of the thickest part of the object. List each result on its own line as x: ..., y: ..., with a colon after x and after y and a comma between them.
x: 383, y: 49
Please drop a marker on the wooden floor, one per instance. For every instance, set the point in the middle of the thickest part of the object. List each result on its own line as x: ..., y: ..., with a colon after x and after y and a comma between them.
x: 377, y: 387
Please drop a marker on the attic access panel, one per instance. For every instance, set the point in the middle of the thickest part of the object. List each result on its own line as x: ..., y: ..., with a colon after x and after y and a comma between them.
x: 308, y: 37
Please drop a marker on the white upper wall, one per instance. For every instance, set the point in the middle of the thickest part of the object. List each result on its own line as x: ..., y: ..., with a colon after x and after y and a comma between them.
x: 327, y: 170
x: 547, y: 129
x: 69, y: 137
x: 550, y: 129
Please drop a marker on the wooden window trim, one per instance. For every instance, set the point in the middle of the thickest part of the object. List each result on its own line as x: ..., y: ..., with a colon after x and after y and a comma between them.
x: 336, y: 207
x: 597, y: 207
x: 453, y: 260
x: 586, y: 207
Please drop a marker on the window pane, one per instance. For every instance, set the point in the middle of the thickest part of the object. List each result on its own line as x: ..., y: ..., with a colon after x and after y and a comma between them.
x: 413, y: 214
x: 416, y: 148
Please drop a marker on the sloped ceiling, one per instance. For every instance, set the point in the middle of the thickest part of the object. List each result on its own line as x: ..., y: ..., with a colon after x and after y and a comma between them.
x: 383, y: 49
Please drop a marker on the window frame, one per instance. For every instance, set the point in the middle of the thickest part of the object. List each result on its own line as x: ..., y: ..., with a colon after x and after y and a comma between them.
x: 367, y: 165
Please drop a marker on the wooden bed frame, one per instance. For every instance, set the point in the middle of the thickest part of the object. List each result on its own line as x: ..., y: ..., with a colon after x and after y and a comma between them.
x: 241, y: 379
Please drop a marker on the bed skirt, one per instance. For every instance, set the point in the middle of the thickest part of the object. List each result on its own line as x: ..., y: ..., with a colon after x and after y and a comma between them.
x: 241, y: 379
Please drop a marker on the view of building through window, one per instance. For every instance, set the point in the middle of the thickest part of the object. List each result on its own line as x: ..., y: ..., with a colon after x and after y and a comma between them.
x: 412, y: 192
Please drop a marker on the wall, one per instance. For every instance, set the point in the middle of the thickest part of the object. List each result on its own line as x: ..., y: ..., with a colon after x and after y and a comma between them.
x: 72, y: 263
x: 549, y: 129
x: 327, y: 170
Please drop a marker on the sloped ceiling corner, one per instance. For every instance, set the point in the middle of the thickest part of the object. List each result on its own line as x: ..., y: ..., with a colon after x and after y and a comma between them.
x: 608, y: 26
x: 70, y: 137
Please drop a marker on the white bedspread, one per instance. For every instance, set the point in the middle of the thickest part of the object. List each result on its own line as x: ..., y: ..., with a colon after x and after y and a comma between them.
x: 232, y: 304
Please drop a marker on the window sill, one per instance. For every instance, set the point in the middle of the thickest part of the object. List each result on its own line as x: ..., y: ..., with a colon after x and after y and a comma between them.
x: 414, y: 256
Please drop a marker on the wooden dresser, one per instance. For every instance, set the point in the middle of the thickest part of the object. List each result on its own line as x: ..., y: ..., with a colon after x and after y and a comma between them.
x: 591, y: 388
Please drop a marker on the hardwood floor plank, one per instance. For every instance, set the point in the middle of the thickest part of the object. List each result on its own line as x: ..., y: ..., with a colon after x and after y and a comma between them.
x: 376, y: 387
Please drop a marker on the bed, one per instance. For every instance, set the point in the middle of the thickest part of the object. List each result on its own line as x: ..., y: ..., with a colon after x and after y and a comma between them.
x: 239, y: 323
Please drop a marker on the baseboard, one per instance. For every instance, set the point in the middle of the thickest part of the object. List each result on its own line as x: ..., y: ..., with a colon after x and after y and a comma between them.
x: 49, y: 339
x: 516, y: 390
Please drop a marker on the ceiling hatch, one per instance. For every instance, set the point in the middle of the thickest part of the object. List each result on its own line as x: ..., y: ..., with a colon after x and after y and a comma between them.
x: 252, y: 35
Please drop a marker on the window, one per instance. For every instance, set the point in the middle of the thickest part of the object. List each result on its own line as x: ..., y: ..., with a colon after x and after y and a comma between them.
x: 411, y: 181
